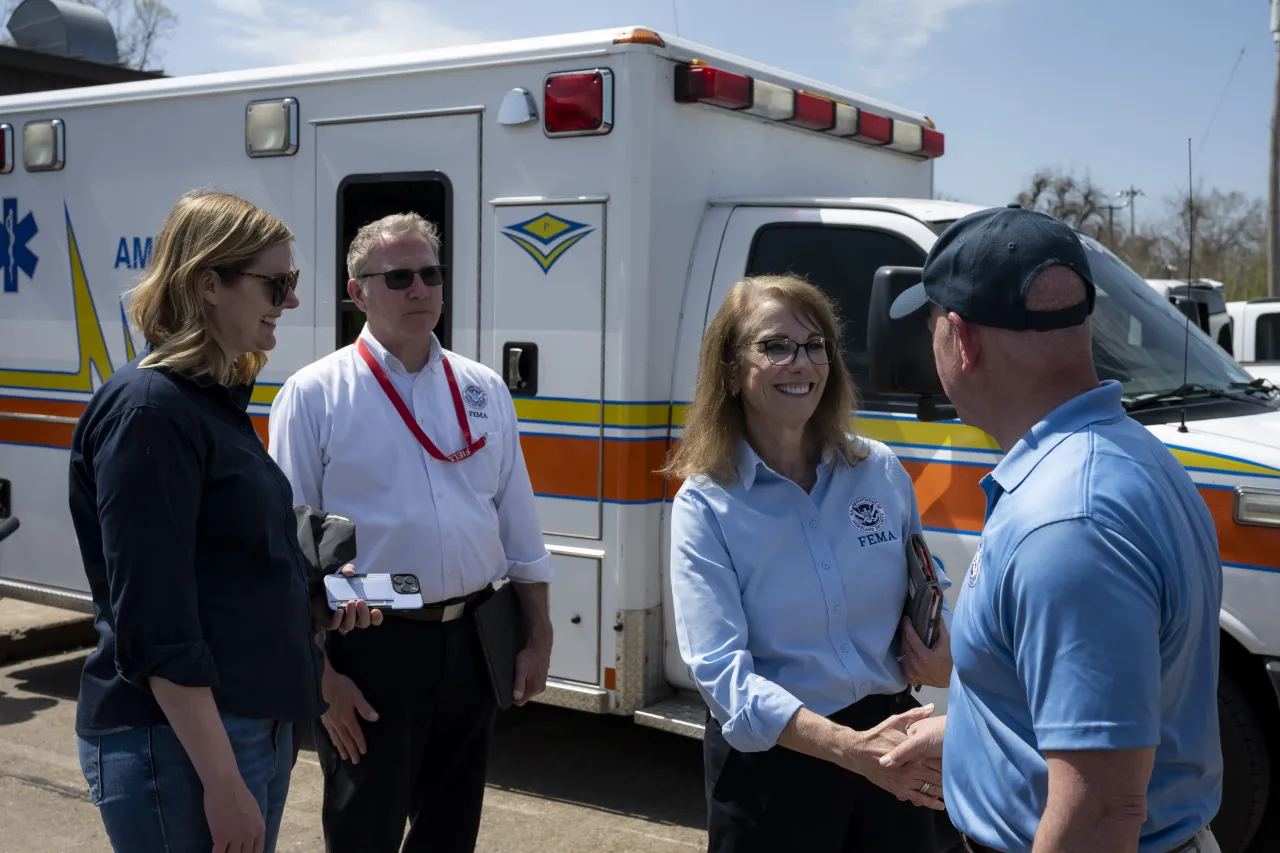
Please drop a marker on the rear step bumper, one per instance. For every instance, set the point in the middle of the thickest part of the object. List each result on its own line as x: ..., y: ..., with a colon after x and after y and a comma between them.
x: 682, y: 715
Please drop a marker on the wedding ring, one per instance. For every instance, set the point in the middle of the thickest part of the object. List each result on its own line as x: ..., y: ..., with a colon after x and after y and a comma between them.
x: 924, y: 789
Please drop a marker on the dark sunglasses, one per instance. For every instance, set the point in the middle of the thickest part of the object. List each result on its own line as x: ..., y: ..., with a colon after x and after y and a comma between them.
x: 280, y: 284
x: 784, y: 350
x: 402, y: 279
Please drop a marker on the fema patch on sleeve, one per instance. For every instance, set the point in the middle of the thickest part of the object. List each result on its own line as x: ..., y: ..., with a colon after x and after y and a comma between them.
x: 975, y: 565
x: 475, y: 396
x: 867, y: 514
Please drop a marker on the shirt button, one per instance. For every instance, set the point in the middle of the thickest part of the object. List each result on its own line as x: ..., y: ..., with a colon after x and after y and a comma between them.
x: 813, y: 524
x: 837, y: 608
x: 845, y: 647
x: 826, y: 565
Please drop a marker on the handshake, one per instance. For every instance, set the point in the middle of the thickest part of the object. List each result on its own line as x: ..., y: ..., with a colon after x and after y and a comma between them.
x: 903, y: 755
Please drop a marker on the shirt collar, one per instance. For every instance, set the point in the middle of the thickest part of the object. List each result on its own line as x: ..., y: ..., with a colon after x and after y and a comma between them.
x: 388, y: 361
x: 1100, y: 404
x: 749, y: 462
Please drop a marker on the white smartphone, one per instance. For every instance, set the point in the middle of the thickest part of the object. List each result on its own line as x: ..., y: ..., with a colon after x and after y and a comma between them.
x: 378, y: 590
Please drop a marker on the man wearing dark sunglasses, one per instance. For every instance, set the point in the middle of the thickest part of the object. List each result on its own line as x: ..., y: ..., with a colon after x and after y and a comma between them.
x: 420, y: 447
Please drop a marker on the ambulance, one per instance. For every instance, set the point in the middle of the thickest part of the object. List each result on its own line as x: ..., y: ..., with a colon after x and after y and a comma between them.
x: 598, y: 194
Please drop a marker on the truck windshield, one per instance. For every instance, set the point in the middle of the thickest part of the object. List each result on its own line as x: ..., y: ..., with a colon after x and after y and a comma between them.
x: 1139, y: 338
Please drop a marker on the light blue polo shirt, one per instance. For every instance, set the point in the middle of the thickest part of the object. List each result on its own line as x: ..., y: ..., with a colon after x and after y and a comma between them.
x: 1088, y: 619
x: 785, y: 598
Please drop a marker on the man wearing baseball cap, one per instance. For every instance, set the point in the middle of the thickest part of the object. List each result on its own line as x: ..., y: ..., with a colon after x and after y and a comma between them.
x: 1082, y: 712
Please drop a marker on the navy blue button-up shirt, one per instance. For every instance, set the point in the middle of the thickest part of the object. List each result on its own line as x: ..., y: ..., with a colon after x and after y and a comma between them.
x: 189, y: 540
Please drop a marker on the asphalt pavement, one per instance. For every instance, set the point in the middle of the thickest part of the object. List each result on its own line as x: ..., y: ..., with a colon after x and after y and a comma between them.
x: 559, y: 780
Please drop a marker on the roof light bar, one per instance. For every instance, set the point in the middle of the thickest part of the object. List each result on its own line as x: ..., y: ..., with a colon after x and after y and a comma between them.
x: 814, y: 112
x: 874, y: 129
x: 697, y: 82
x: 776, y: 103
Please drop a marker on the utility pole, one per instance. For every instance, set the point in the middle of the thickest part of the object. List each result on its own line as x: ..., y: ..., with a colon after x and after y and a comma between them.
x: 1273, y: 184
x: 1133, y: 192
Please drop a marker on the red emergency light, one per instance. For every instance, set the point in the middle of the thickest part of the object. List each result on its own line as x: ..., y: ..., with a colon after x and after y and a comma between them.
x: 814, y: 112
x: 699, y: 83
x: 578, y: 103
x: 713, y: 86
x: 6, y: 148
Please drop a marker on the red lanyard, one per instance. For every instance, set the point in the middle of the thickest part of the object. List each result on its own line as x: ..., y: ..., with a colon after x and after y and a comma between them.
x: 381, y: 376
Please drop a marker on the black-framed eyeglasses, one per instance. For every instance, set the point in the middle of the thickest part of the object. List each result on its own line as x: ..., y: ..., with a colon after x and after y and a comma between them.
x: 402, y: 279
x: 783, y: 351
x: 280, y: 284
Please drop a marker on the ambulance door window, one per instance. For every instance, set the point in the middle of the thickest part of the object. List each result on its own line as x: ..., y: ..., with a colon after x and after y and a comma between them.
x: 842, y: 261
x: 365, y: 198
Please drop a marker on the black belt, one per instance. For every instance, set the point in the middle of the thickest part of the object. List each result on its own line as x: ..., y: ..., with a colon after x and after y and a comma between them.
x: 971, y: 846
x: 444, y: 611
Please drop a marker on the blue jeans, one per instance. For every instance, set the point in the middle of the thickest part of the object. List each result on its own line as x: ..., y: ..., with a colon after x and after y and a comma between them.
x: 151, y: 798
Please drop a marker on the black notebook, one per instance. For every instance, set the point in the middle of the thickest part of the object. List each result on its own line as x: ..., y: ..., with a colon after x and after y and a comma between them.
x: 924, y: 595
x: 501, y: 628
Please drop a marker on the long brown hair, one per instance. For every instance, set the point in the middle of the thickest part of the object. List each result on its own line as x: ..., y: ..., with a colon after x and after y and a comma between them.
x: 716, y: 423
x: 204, y: 231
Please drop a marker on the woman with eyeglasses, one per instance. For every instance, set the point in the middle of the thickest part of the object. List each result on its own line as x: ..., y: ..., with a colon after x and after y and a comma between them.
x: 207, y: 652
x: 789, y: 579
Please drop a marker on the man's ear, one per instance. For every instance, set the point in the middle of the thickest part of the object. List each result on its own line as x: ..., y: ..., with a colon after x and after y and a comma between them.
x: 209, y: 285
x: 969, y: 341
x: 356, y: 291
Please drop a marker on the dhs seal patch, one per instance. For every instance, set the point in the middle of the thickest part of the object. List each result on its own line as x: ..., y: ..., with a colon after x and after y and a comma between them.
x: 475, y: 396
x: 867, y: 514
x: 975, y: 565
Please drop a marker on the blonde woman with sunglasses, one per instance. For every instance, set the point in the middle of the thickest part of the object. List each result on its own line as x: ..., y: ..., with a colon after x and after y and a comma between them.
x: 207, y: 654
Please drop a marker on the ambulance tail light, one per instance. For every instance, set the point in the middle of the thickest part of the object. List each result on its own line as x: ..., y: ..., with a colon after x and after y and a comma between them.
x: 699, y: 83
x: 578, y: 103
x: 6, y: 141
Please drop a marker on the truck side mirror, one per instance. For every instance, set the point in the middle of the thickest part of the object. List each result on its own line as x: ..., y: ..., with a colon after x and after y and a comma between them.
x: 901, y: 351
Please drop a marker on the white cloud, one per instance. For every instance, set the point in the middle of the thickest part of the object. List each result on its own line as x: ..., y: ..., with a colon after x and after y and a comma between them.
x: 288, y: 31
x: 886, y: 35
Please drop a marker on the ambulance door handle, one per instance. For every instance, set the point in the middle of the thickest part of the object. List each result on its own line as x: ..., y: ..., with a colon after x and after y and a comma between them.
x: 520, y: 368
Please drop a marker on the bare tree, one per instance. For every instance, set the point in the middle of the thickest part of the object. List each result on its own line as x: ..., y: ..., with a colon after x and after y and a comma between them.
x: 1230, y: 231
x: 141, y: 27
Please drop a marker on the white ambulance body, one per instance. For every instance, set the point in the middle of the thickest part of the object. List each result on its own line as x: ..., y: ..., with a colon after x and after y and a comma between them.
x: 598, y: 195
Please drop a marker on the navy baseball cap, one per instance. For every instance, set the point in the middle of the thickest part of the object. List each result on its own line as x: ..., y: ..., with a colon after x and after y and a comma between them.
x: 983, y: 264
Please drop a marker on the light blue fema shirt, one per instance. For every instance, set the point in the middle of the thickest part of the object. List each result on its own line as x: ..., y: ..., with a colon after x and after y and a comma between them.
x: 1088, y: 619
x: 785, y: 598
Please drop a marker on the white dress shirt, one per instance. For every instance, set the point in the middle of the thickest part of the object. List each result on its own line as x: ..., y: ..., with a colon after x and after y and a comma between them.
x: 458, y: 526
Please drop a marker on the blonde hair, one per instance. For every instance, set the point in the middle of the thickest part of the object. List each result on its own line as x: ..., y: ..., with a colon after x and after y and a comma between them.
x: 716, y: 421
x: 388, y: 228
x: 205, y: 230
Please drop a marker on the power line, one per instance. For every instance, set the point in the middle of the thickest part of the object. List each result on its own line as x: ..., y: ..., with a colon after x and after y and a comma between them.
x: 1221, y: 98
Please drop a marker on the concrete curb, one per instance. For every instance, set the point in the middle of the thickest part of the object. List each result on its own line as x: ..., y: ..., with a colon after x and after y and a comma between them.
x: 29, y: 631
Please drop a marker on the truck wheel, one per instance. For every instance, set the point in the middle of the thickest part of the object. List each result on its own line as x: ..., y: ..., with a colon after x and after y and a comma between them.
x: 1246, y: 769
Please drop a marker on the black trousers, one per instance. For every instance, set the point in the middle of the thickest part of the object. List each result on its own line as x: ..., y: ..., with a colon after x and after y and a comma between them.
x: 779, y: 799
x: 428, y: 750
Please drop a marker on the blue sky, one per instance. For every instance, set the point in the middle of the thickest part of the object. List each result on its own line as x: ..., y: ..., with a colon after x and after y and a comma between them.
x: 1111, y: 87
